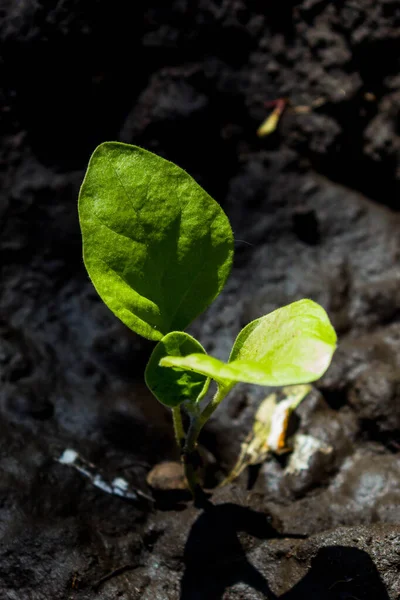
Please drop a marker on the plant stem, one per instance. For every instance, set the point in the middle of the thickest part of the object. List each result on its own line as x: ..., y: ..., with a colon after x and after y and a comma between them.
x: 213, y: 404
x: 178, y: 427
x: 190, y: 456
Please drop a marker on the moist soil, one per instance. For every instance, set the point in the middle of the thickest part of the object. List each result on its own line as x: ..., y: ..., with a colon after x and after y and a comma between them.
x: 315, y: 213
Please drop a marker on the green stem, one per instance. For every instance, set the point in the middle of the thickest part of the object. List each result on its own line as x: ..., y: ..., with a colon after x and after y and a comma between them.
x: 190, y: 456
x: 213, y: 404
x: 178, y: 427
x: 203, y: 392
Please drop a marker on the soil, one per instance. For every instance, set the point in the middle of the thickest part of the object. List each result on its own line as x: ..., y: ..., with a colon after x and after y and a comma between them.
x: 315, y: 213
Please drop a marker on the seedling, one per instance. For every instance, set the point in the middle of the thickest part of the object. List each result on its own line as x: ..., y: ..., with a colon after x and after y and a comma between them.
x: 159, y: 250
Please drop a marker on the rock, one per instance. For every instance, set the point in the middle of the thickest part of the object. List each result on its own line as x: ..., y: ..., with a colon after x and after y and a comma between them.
x: 167, y: 476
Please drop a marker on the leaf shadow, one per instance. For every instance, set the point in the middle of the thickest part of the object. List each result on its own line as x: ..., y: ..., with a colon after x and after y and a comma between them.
x: 340, y: 573
x: 214, y: 557
x: 216, y: 560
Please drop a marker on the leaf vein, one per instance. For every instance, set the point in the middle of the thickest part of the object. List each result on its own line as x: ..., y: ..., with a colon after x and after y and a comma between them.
x: 116, y: 232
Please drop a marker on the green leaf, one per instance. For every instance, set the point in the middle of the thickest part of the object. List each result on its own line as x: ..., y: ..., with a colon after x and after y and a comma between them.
x: 291, y: 345
x: 172, y: 387
x: 204, y: 364
x: 157, y: 247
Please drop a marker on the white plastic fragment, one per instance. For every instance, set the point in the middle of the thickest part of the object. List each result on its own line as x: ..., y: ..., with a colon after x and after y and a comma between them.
x: 101, y: 484
x: 68, y: 457
x: 117, y: 486
x: 120, y: 483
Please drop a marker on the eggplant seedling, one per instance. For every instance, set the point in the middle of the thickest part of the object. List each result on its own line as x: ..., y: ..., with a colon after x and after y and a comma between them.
x: 158, y: 250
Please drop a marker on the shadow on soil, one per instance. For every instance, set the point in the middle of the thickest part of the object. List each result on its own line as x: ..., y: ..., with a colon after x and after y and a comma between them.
x: 215, y: 559
x: 339, y: 573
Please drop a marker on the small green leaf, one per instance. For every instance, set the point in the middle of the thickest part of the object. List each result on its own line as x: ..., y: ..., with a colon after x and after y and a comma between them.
x: 170, y: 386
x: 204, y: 364
x: 291, y: 345
x: 157, y: 247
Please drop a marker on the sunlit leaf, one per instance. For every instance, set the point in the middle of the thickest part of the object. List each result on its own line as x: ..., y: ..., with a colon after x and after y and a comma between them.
x: 157, y: 247
x: 293, y: 344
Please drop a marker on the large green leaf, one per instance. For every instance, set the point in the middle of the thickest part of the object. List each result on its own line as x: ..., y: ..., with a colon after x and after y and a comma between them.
x: 291, y: 345
x: 170, y: 386
x: 157, y: 247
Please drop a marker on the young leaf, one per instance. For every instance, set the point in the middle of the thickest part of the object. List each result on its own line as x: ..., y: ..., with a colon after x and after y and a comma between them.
x: 291, y: 345
x: 157, y: 247
x: 172, y: 387
x: 204, y: 364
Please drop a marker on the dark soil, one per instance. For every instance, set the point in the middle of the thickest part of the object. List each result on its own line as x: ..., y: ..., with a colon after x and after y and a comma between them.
x: 315, y: 212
